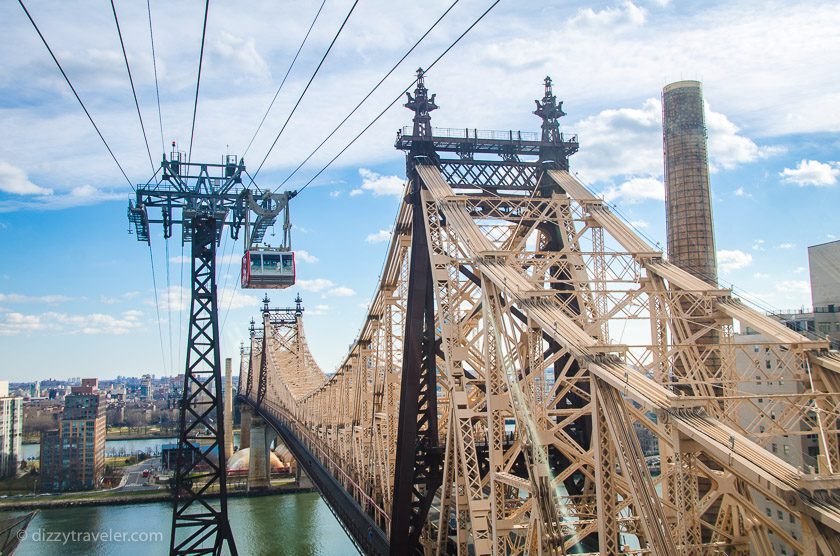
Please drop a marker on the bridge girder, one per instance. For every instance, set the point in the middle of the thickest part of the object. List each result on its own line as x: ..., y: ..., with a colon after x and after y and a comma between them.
x: 525, y: 362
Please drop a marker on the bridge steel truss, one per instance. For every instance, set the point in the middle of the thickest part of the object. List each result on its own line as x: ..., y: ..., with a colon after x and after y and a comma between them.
x: 510, y: 293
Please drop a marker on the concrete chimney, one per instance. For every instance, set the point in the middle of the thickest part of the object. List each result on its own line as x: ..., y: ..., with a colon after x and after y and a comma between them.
x: 228, y: 417
x: 688, y: 202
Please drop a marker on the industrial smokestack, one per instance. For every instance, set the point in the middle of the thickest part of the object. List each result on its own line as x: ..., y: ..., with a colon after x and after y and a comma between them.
x: 688, y: 202
x: 228, y: 417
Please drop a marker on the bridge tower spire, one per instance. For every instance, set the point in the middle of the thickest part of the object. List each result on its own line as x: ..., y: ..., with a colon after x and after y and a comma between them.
x: 553, y: 152
x: 421, y: 103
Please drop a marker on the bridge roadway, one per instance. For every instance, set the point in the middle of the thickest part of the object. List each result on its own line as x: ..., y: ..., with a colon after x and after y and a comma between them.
x: 502, y: 310
x: 362, y: 530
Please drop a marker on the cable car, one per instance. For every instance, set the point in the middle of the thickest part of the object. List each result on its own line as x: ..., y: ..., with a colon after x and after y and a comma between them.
x: 268, y: 269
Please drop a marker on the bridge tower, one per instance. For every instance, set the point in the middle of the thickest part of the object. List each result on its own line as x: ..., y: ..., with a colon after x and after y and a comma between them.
x: 417, y: 472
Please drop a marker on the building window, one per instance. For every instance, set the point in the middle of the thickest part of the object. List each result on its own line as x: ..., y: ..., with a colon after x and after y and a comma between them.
x: 767, y: 363
x: 760, y: 400
x: 769, y: 512
x: 775, y: 448
x: 786, y: 449
x: 780, y: 514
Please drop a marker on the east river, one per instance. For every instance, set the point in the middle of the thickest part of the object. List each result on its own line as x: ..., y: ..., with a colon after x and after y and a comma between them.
x: 293, y: 524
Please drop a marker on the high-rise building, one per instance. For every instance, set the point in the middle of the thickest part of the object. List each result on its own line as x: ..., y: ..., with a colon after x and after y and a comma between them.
x: 823, y: 318
x: 763, y: 370
x: 11, y: 426
x: 73, y: 457
x: 146, y: 391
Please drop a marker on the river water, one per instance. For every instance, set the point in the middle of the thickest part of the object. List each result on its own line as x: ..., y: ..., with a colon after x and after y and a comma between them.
x: 293, y: 524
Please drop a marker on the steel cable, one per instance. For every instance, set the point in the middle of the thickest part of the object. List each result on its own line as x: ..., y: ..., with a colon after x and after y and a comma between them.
x: 367, y: 96
x: 398, y: 97
x: 283, y: 82
x: 305, y: 89
x: 78, y: 98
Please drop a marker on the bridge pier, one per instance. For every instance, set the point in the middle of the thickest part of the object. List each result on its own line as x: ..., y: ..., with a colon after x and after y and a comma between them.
x: 258, y: 463
x: 245, y: 413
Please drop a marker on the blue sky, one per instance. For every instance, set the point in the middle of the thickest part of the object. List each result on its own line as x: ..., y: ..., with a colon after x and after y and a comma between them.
x: 76, y: 294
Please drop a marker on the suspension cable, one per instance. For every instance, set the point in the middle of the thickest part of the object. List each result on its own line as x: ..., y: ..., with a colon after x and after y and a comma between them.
x: 152, y: 164
x: 157, y: 307
x: 283, y: 82
x: 398, y: 97
x: 157, y: 88
x: 78, y: 98
x: 367, y: 96
x: 198, y: 80
x: 305, y: 89
x: 131, y: 81
x: 168, y: 303
x: 182, y: 263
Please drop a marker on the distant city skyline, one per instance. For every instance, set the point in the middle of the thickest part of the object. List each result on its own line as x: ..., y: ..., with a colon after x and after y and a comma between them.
x: 76, y: 291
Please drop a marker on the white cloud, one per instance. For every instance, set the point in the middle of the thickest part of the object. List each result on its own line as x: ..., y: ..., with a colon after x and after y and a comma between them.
x: 176, y: 298
x: 315, y: 285
x: 327, y: 288
x: 628, y: 141
x: 378, y: 237
x: 793, y: 286
x: 812, y: 172
x: 335, y: 194
x: 13, y: 324
x: 741, y: 192
x: 241, y: 52
x: 625, y: 14
x: 733, y: 259
x: 728, y: 149
x: 786, y: 246
x: 341, y: 291
x: 79, y: 196
x: 317, y: 310
x: 621, y: 141
x: 799, y: 270
x: 758, y: 245
x: 19, y: 298
x: 760, y: 275
x: 234, y: 298
x: 14, y: 180
x: 305, y: 256
x: 635, y: 190
x: 118, y: 299
x: 378, y: 184
x: 640, y: 224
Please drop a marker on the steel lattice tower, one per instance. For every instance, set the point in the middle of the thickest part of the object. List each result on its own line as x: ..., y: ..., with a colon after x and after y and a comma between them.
x: 209, y: 196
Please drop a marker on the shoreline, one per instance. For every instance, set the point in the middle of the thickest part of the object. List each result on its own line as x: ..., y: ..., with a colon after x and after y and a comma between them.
x: 138, y: 497
x: 126, y: 437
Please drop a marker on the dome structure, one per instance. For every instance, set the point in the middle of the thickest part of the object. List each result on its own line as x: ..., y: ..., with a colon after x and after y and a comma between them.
x: 241, y: 459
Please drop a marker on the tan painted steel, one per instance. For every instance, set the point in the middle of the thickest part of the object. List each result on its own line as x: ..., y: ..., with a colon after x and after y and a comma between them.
x: 499, y: 311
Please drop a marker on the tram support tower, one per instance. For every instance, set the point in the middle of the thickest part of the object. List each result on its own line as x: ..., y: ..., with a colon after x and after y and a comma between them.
x: 206, y: 196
